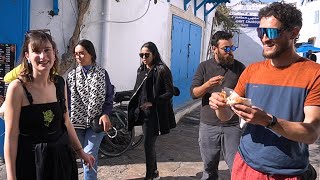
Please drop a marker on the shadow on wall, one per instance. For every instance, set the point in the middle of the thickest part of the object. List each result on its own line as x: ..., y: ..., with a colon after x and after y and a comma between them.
x: 250, y: 47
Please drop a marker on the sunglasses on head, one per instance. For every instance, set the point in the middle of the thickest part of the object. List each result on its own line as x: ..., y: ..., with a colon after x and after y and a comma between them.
x: 227, y: 49
x: 146, y: 55
x: 271, y: 33
x: 47, y: 31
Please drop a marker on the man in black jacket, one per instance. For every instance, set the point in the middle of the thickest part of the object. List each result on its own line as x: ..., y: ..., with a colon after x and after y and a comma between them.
x: 222, y: 70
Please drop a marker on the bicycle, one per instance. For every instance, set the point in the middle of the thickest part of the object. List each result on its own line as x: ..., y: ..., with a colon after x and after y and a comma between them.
x: 124, y: 139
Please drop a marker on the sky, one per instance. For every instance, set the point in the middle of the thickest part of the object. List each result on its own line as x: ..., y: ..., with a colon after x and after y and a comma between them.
x: 236, y: 1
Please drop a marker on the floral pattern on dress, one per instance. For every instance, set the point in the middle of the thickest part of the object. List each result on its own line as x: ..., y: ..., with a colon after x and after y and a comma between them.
x: 47, y: 117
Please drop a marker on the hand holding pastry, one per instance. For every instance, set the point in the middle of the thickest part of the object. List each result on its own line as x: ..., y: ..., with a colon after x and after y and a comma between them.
x: 215, y: 81
x: 238, y: 100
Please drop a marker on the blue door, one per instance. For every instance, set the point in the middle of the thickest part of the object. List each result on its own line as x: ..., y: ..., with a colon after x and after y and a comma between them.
x: 14, y: 23
x: 185, y: 56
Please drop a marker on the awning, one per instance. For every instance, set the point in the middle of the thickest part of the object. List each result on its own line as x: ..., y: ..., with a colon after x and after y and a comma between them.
x: 307, y: 47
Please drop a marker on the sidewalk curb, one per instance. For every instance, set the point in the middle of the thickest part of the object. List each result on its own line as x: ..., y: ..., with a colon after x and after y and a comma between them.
x: 190, y: 106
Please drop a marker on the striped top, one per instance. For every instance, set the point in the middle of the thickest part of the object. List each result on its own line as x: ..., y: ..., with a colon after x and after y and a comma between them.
x: 283, y: 93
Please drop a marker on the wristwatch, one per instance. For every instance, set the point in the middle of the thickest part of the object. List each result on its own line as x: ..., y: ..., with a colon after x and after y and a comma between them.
x: 273, y: 122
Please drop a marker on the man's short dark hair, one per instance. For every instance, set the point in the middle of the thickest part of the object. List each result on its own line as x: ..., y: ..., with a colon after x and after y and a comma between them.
x: 218, y: 36
x: 287, y: 14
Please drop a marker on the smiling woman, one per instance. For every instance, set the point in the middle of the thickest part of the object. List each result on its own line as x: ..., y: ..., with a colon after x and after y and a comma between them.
x: 90, y: 95
x: 39, y: 137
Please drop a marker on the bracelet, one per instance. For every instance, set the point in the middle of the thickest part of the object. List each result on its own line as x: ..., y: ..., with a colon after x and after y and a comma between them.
x: 78, y: 149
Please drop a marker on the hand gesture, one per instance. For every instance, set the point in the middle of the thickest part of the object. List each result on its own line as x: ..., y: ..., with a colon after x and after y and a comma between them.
x: 214, y: 81
x: 252, y: 115
x: 216, y: 101
x: 105, y: 120
x: 146, y: 105
x: 88, y: 159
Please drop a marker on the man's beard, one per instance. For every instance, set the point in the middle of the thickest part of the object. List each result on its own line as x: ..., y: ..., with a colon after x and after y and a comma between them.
x: 278, y: 51
x: 225, y: 60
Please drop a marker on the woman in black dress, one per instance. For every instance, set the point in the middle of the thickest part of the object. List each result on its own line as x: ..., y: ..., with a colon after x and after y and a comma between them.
x: 39, y: 138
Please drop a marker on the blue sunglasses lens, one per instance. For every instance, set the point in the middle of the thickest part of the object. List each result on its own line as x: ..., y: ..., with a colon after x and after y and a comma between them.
x: 229, y: 48
x: 272, y: 33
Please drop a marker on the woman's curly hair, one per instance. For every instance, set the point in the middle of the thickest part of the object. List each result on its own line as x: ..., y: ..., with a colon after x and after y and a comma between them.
x: 287, y: 14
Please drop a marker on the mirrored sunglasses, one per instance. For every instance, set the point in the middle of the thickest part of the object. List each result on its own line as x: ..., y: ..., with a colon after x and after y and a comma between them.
x: 271, y: 33
x: 146, y: 55
x: 227, y: 49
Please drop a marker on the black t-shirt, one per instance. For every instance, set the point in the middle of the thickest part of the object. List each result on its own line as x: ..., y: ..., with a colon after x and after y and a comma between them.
x: 207, y: 70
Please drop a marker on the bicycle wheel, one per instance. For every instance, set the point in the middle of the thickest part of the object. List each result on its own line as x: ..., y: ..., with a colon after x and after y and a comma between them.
x: 122, y: 142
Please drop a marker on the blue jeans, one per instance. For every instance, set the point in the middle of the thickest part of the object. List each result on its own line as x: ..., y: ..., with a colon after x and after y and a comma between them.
x: 213, y: 140
x: 90, y: 142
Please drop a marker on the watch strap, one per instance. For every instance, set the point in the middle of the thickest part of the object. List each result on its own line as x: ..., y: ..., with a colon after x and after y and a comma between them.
x: 273, y: 122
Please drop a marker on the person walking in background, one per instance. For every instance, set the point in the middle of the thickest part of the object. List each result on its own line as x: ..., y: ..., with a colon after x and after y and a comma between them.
x: 284, y: 90
x: 151, y: 104
x: 39, y: 137
x: 212, y: 75
x: 90, y: 97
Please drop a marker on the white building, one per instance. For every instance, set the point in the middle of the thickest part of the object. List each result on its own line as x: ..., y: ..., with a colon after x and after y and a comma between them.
x: 250, y: 47
x: 180, y: 28
x: 311, y: 26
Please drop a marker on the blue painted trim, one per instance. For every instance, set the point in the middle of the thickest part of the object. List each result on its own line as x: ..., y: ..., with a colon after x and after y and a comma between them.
x: 199, y: 6
x: 185, y: 2
x: 206, y: 13
x: 55, y: 7
x: 195, y: 9
x: 216, y: 3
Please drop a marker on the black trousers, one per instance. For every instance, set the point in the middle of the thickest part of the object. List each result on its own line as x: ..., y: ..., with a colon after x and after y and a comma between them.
x: 150, y: 138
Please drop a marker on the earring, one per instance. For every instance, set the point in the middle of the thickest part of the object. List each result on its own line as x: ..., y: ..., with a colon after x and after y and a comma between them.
x: 28, y: 60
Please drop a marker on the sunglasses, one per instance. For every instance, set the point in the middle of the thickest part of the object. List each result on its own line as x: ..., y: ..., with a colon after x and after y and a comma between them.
x: 46, y: 31
x: 80, y: 54
x: 271, y: 33
x: 227, y: 49
x: 146, y: 55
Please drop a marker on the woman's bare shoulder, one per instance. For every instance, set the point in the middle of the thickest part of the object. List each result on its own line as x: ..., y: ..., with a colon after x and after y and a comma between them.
x: 16, y: 86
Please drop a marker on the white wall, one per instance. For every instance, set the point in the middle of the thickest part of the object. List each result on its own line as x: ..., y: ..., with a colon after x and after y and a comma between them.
x: 61, y: 26
x: 250, y: 46
x: 309, y: 27
x: 118, y: 44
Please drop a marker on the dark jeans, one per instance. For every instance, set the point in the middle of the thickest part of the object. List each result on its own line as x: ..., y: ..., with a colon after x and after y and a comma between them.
x: 213, y: 140
x: 149, y: 147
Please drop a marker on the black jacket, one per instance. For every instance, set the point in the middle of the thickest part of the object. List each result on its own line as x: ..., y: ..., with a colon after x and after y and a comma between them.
x: 162, y: 95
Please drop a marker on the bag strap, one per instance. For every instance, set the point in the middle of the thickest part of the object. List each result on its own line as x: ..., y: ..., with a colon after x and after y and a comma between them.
x: 28, y: 94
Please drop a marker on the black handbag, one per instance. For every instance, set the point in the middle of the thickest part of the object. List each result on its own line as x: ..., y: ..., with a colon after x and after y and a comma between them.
x: 96, y: 127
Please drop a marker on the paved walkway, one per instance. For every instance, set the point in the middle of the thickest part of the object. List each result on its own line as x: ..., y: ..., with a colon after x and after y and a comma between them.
x: 177, y: 154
